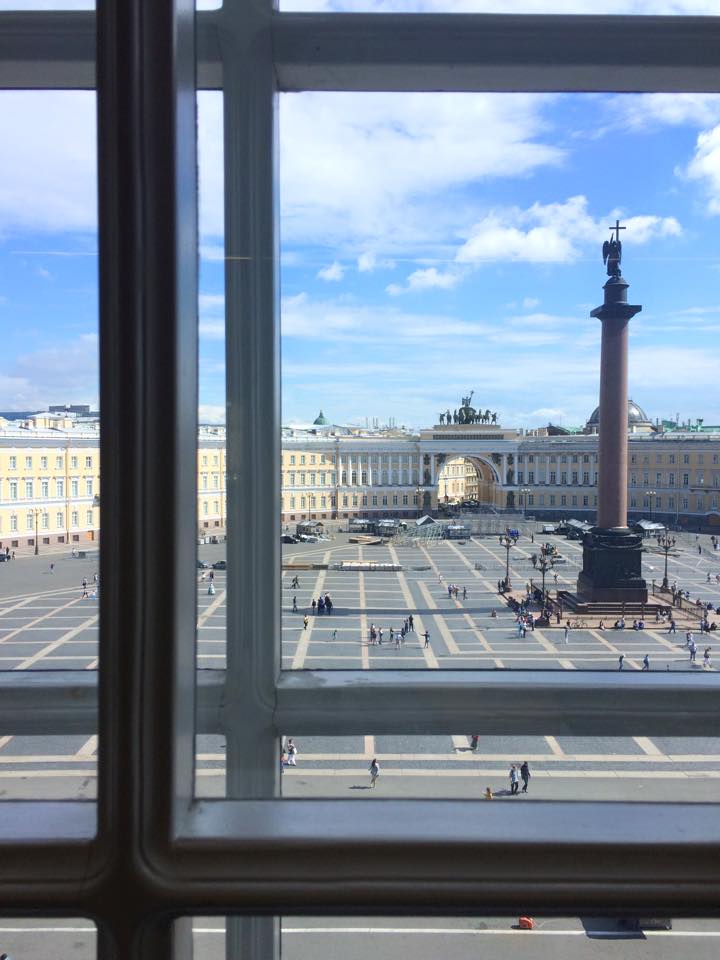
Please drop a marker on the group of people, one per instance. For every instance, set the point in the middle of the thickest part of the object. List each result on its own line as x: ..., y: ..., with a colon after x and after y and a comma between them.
x: 453, y: 590
x: 89, y: 594
x: 288, y: 755
x: 395, y: 635
x: 322, y: 605
x: 518, y: 773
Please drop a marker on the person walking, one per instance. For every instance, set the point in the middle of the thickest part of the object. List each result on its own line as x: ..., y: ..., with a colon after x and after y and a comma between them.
x: 295, y: 585
x: 292, y: 753
x: 672, y: 627
x: 52, y: 568
x: 514, y: 780
x: 525, y: 774
x: 334, y: 635
x: 646, y: 662
x: 621, y: 661
x: 294, y: 607
x: 379, y: 636
x: 567, y: 631
x: 706, y: 658
x: 313, y: 605
x: 426, y: 636
x: 305, y: 622
x: 412, y: 623
x: 374, y: 772
x: 464, y: 593
x: 474, y: 741
x: 693, y: 651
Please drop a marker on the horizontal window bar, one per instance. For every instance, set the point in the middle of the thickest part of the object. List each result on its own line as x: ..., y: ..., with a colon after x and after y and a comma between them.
x: 336, y: 702
x: 573, y: 703
x: 48, y: 854
x: 448, y: 856
x: 496, y: 52
x: 453, y: 52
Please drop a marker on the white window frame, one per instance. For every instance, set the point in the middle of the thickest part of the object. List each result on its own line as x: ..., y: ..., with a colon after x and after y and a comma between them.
x: 252, y: 852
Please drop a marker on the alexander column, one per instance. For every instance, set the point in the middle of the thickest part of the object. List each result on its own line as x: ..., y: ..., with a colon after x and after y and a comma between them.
x: 612, y: 554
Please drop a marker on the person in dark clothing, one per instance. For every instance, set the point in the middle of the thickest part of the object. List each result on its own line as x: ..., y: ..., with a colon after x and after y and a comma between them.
x: 525, y: 775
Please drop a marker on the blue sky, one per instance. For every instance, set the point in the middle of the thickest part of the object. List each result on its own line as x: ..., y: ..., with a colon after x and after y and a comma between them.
x: 431, y: 244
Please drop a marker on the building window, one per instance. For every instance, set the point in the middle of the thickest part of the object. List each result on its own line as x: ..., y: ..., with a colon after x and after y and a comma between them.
x: 206, y: 508
x: 686, y: 458
x: 75, y: 518
x: 74, y: 488
x: 574, y: 477
x: 633, y: 480
x: 292, y: 459
x: 405, y: 500
x: 374, y: 501
x: 292, y: 503
x: 73, y: 463
x: 686, y: 480
x: 44, y: 488
x: 553, y: 475
x: 28, y: 489
x: 302, y: 459
x: 385, y: 500
x: 671, y: 458
x: 395, y: 499
x: 354, y: 499
x: 58, y: 463
x: 671, y: 503
x: 29, y: 521
x: 13, y: 489
x: 563, y: 500
x: 364, y: 500
x: 43, y: 463
x: 12, y: 463
x: 658, y: 479
x: 701, y: 458
x: 552, y: 499
x: 88, y: 463
x: 13, y: 522
x: 563, y: 478
x: 59, y: 520
x: 88, y: 487
x: 531, y: 476
x: 28, y: 463
x: 586, y: 478
x: 658, y: 458
x: 531, y: 458
x: 633, y: 502
x: 586, y: 501
x: 45, y: 521
x: 89, y: 518
x: 685, y: 503
x: 671, y: 479
x: 574, y: 501
x: 302, y: 479
x: 344, y: 500
x: 520, y: 477
x: 204, y: 460
x: 216, y: 482
x: 541, y: 500
x: 531, y: 499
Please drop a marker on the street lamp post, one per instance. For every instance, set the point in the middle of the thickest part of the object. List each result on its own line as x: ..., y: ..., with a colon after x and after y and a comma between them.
x: 651, y: 494
x: 36, y: 512
x: 543, y: 564
x: 524, y: 491
x: 666, y: 543
x: 418, y: 494
x: 507, y: 542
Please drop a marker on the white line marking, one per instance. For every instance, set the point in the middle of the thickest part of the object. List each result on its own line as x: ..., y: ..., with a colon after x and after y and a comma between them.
x: 648, y: 747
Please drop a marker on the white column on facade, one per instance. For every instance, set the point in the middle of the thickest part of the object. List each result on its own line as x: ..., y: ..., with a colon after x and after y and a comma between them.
x: 433, y: 479
x: 547, y: 469
x: 339, y: 469
x: 504, y: 469
x: 349, y: 469
x: 369, y: 470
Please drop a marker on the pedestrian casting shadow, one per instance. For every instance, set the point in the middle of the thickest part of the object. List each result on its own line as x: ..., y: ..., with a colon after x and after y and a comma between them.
x: 611, y: 928
x: 359, y: 786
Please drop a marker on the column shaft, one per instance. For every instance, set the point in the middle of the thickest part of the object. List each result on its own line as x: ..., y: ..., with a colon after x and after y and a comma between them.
x: 612, y: 445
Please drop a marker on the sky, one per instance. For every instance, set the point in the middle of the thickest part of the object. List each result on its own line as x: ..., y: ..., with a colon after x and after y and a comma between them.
x: 431, y: 244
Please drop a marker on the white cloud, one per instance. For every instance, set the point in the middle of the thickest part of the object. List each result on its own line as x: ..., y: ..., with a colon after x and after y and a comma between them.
x: 374, y: 165
x: 43, y: 273
x: 651, y: 110
x: 705, y: 166
x: 427, y: 279
x: 530, y: 302
x: 60, y: 373
x: 367, y: 262
x: 552, y: 233
x: 333, y: 273
x: 211, y: 413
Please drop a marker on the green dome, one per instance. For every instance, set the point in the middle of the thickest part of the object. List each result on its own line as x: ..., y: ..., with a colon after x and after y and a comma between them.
x: 320, y: 420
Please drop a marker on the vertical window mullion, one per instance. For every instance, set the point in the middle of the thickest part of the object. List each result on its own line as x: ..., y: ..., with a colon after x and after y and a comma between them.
x: 148, y: 333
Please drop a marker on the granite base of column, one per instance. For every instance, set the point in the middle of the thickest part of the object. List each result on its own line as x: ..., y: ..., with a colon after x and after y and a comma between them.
x: 612, y: 567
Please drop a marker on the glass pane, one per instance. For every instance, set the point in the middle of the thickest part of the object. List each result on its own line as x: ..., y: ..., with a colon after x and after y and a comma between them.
x: 467, y: 766
x: 50, y: 426
x: 435, y: 241
x: 464, y: 938
x: 626, y: 7
x: 39, y: 937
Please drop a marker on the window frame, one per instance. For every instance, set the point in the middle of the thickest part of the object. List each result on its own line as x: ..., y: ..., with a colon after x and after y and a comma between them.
x: 253, y: 852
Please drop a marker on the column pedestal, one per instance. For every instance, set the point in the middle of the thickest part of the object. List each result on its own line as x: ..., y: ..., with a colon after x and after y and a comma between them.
x: 612, y: 567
